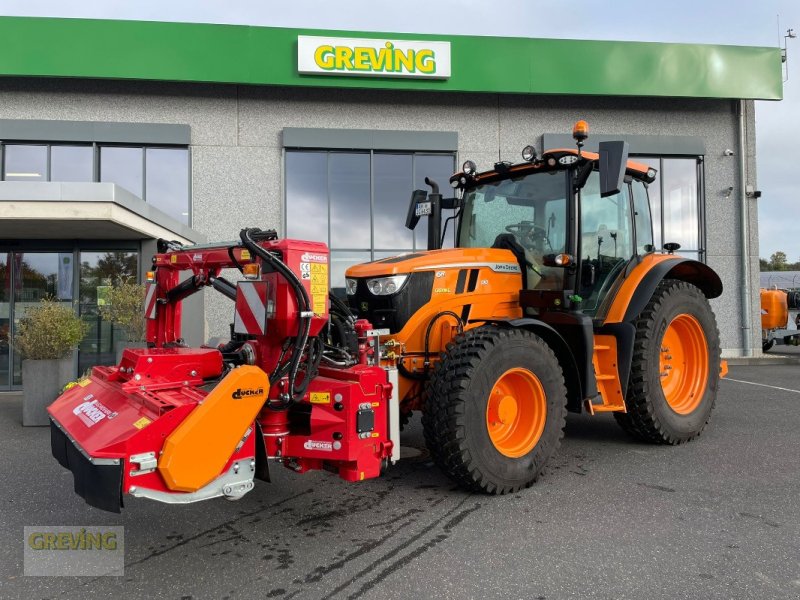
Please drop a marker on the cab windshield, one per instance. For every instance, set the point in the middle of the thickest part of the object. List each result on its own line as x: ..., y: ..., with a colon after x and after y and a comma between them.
x: 532, y: 208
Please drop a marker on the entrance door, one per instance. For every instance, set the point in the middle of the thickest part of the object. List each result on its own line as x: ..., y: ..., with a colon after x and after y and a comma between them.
x: 99, y: 271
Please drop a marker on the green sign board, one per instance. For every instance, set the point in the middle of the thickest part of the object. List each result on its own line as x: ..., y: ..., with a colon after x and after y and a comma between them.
x: 192, y: 52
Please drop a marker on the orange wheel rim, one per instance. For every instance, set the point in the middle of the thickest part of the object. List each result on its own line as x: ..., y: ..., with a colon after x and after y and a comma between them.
x: 683, y: 364
x: 515, y: 412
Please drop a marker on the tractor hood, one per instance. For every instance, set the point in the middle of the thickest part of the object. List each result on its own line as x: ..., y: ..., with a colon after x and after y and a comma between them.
x: 498, y: 260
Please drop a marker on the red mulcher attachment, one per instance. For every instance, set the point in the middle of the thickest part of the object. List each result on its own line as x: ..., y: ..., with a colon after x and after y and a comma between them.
x: 179, y: 425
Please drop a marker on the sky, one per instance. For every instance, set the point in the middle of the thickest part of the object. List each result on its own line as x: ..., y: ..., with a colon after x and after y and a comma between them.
x: 736, y: 22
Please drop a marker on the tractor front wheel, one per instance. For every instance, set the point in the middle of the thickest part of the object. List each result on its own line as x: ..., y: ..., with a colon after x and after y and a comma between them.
x: 495, y: 409
x: 675, y: 369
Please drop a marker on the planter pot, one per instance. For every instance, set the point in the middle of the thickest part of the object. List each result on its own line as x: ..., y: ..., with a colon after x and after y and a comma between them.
x: 119, y: 347
x: 42, y: 381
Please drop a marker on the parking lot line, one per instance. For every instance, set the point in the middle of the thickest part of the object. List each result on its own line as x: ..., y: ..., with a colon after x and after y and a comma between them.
x: 774, y: 387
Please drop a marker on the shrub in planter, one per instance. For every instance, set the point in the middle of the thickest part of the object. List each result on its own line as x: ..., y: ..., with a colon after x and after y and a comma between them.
x: 46, y: 338
x: 124, y: 307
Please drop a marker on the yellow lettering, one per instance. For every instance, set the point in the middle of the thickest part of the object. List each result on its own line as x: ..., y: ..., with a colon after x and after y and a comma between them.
x: 388, y: 54
x: 404, y: 60
x: 110, y: 541
x: 323, y: 56
x: 36, y: 541
x: 362, y: 61
x: 344, y: 57
x: 425, y: 61
x: 63, y: 541
x: 49, y: 541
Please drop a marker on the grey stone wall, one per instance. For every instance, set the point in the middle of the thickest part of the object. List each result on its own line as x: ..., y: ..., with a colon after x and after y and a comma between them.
x: 237, y: 154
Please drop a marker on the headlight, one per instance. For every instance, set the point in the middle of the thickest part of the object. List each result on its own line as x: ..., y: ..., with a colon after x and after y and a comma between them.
x: 350, y: 285
x: 385, y: 286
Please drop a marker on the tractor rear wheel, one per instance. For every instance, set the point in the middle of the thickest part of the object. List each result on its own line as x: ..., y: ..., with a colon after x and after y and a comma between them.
x: 674, y: 375
x: 495, y: 409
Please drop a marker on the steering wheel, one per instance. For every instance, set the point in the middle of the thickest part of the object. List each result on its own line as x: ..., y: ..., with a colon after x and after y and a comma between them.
x: 527, y: 233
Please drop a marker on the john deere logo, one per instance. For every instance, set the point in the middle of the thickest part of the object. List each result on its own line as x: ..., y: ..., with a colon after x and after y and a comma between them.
x: 244, y: 393
x: 373, y: 57
x: 364, y: 307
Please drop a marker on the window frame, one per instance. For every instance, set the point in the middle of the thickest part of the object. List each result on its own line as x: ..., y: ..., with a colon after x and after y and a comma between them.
x: 371, y: 153
x: 96, y: 163
x: 702, y: 250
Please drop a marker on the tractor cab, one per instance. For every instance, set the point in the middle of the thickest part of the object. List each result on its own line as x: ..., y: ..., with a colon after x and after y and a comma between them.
x: 574, y: 220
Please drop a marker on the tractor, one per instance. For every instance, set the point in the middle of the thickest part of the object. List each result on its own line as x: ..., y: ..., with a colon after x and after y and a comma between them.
x: 553, y: 299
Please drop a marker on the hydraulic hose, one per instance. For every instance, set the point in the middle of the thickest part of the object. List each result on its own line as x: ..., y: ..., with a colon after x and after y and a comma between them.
x: 303, y: 304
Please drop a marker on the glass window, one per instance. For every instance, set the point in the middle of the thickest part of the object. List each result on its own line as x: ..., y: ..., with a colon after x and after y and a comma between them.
x: 25, y: 163
x: 681, y: 220
x: 654, y: 193
x: 641, y: 216
x: 348, y: 189
x: 123, y: 166
x: 307, y: 195
x: 393, y: 186
x: 71, y: 163
x: 356, y: 202
x: 98, y: 272
x: 167, y: 181
x: 606, y: 242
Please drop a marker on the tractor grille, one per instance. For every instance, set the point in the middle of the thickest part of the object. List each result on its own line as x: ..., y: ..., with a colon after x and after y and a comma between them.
x: 392, y: 312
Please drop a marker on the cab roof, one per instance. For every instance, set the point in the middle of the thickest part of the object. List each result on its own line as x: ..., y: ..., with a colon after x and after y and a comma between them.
x: 550, y: 160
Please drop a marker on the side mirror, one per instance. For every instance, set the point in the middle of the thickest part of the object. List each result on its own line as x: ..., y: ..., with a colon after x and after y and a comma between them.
x: 418, y: 207
x: 612, y: 163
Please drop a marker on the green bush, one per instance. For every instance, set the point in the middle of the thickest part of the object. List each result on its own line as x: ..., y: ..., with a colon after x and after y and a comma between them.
x: 49, y: 331
x: 125, y: 307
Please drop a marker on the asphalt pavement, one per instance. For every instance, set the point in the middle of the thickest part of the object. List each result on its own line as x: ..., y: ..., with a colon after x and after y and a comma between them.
x: 610, y: 518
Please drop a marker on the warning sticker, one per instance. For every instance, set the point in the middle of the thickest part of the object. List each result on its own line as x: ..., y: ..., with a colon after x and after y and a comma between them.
x: 142, y: 423
x: 320, y: 397
x: 319, y: 287
x: 245, y: 255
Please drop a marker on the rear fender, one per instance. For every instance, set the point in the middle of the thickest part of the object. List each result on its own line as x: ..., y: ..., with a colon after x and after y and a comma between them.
x: 628, y: 304
x: 635, y: 293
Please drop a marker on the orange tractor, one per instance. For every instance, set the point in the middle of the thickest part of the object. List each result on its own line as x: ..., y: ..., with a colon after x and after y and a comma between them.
x: 553, y: 300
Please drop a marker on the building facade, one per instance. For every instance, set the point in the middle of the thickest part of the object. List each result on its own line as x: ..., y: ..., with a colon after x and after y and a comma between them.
x: 192, y: 132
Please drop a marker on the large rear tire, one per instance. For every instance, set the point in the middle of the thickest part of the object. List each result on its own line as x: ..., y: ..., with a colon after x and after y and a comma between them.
x: 495, y: 409
x: 675, y: 369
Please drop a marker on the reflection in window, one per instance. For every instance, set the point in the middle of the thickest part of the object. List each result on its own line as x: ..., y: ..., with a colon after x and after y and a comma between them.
x: 25, y: 163
x: 348, y: 189
x: 675, y: 203
x: 392, y: 192
x: 356, y: 202
x: 98, y: 272
x: 71, y: 163
x: 307, y: 196
x: 641, y: 217
x: 122, y: 166
x: 167, y: 181
x: 654, y: 193
x: 681, y: 223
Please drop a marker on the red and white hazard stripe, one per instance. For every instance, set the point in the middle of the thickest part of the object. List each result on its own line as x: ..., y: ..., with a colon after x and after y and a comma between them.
x: 150, y: 301
x: 251, y: 308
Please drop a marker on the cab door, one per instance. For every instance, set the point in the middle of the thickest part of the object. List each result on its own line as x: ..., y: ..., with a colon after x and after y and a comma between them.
x: 606, y: 242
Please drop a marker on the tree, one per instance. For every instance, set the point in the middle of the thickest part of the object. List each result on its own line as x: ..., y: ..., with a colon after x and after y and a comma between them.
x: 777, y: 261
